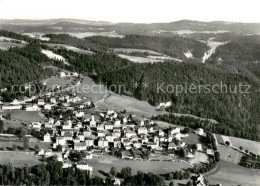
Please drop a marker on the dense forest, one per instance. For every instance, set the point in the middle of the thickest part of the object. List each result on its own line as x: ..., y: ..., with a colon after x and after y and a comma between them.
x: 172, y: 46
x: 52, y: 173
x: 22, y: 65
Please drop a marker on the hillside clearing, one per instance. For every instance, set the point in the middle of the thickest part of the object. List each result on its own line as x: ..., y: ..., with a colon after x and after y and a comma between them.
x: 231, y: 174
x: 71, y: 48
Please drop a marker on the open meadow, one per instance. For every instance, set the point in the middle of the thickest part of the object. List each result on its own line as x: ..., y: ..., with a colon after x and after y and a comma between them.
x: 230, y: 174
x: 24, y: 116
x: 18, y: 158
x: 157, y: 167
x: 251, y: 146
x: 229, y: 154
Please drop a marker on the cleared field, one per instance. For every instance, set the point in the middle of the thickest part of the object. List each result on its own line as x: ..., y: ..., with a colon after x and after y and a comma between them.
x: 140, y: 59
x: 53, y: 81
x: 14, y: 124
x: 199, y: 157
x: 166, y: 125
x: 251, y: 146
x: 91, y: 90
x: 68, y: 47
x: 157, y: 167
x: 18, y: 159
x: 5, y: 45
x: 191, y: 139
x: 25, y: 116
x: 131, y: 50
x: 132, y: 105
x: 230, y: 174
x: 230, y: 155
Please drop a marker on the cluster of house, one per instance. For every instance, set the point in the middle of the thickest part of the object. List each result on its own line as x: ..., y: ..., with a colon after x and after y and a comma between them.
x: 94, y: 134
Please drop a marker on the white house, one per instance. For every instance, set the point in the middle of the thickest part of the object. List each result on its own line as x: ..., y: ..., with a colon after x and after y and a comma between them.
x: 62, y: 74
x: 175, y: 131
x: 199, y: 131
x: 102, y: 143
x: 142, y: 130
x: 48, y: 153
x: 47, y: 107
x: 11, y: 107
x: 109, y: 126
x: 93, y: 123
x: 79, y: 114
x: 53, y: 100
x: 60, y: 141
x: 84, y: 166
x: 137, y: 145
x: 89, y: 142
x: 32, y: 108
x: 41, y: 102
x: 199, y: 147
x: 36, y: 125
x: 47, y: 138
x: 117, y: 123
x: 129, y: 134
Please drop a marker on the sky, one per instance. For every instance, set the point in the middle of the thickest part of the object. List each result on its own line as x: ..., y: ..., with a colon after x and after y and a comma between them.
x: 137, y: 11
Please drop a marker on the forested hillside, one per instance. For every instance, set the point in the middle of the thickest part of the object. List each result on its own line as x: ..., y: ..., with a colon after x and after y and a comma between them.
x: 240, y: 51
x: 173, y: 46
x: 233, y: 110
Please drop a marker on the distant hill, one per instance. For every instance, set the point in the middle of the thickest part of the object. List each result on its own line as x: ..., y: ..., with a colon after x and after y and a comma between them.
x: 129, y: 28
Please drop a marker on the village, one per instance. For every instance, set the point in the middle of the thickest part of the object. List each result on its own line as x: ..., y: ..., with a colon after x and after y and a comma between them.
x: 75, y: 127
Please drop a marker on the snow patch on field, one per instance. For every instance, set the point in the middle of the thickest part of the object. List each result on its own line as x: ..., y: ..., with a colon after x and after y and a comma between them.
x: 51, y: 55
x: 188, y: 54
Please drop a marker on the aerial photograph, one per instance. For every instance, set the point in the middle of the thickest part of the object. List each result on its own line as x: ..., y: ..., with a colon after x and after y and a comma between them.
x: 130, y: 92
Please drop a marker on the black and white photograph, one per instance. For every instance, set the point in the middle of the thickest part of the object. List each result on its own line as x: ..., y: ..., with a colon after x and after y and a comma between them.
x: 130, y: 92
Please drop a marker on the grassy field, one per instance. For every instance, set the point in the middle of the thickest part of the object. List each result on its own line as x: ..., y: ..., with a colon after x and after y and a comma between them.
x: 131, y: 105
x: 24, y: 116
x: 230, y: 174
x: 157, y: 167
x: 199, y: 157
x: 191, y: 139
x: 166, y: 125
x: 230, y: 155
x: 251, y: 146
x: 18, y: 158
x: 5, y: 45
x: 219, y: 139
x: 13, y: 124
x: 52, y: 81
